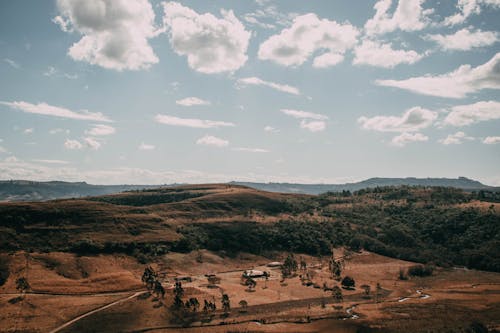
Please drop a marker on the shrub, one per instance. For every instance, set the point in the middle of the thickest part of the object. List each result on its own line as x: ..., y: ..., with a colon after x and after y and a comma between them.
x: 420, y: 270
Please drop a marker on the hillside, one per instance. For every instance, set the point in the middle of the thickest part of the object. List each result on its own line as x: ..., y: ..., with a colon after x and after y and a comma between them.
x: 442, y: 225
x: 23, y: 190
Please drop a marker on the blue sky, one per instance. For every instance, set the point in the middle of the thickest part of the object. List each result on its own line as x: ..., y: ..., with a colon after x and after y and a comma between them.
x: 138, y: 91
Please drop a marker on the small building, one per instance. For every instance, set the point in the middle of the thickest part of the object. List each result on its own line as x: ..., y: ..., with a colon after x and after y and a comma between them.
x: 274, y: 264
x: 252, y: 273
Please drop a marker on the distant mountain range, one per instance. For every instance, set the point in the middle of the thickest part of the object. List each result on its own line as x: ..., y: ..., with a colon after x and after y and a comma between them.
x: 24, y: 190
x: 460, y: 182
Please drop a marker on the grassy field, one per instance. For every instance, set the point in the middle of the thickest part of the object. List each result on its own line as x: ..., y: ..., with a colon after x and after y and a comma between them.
x: 84, y: 258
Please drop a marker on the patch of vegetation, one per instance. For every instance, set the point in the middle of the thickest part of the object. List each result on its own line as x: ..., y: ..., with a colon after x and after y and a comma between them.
x: 142, y: 199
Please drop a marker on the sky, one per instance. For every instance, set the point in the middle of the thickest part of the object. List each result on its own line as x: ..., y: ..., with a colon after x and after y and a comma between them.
x: 316, y: 91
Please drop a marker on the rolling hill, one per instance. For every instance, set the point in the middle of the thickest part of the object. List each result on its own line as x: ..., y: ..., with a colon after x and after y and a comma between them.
x: 24, y: 190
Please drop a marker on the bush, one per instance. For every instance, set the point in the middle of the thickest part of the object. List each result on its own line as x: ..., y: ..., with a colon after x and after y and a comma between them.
x: 348, y: 282
x: 420, y: 270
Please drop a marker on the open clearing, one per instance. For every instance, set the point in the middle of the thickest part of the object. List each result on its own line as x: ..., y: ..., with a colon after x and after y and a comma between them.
x: 105, y: 294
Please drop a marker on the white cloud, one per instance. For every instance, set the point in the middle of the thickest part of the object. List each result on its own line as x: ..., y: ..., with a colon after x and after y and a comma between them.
x: 462, y: 115
x: 12, y: 63
x: 456, y: 84
x: 411, y: 120
x: 313, y: 126
x: 268, y: 16
x: 253, y: 20
x: 405, y: 138
x: 55, y: 111
x: 73, y: 144
x: 144, y: 146
x: 374, y: 53
x: 299, y: 114
x: 3, y: 150
x: 51, y: 161
x: 209, y: 140
x: 455, y: 139
x: 92, y: 143
x: 271, y: 129
x: 277, y: 86
x: 29, y: 131
x: 101, y: 130
x: 467, y: 8
x: 50, y: 71
x: 192, y: 101
x: 187, y: 122
x: 251, y: 150
x: 491, y: 140
x: 310, y: 121
x: 308, y: 35
x: 408, y: 16
x: 464, y: 39
x: 211, y: 45
x: 86, y: 142
x: 327, y: 60
x: 115, y: 32
x: 59, y: 130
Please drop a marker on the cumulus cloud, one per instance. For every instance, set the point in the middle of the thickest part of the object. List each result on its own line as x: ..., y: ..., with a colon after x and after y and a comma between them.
x: 467, y: 8
x: 491, y: 140
x: 462, y: 115
x: 192, y: 101
x: 101, y: 130
x: 251, y: 150
x: 307, y: 35
x: 29, y: 131
x: 299, y: 114
x: 209, y: 140
x: 455, y: 139
x: 408, y: 16
x: 411, y: 120
x: 144, y: 146
x: 464, y: 39
x: 187, y: 122
x: 115, y: 32
x: 375, y: 53
x: 73, y: 144
x: 405, y: 138
x: 277, y: 86
x: 456, y: 84
x: 211, y: 45
x: 55, y: 111
x: 327, y: 60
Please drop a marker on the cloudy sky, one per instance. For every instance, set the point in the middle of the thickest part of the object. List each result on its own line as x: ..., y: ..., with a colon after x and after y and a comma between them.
x: 147, y: 91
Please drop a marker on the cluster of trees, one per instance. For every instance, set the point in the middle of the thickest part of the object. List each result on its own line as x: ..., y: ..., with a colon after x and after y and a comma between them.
x: 150, y: 279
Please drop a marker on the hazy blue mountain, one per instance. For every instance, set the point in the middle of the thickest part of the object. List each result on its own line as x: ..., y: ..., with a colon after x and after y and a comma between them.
x: 461, y: 182
x: 24, y: 190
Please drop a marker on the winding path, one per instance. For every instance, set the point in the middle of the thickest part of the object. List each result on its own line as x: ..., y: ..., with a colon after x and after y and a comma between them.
x: 72, y: 321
